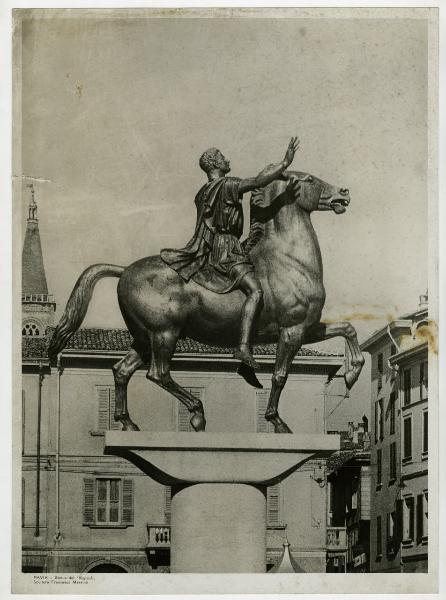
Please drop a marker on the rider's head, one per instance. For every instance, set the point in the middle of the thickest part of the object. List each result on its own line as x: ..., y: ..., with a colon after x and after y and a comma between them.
x: 213, y: 159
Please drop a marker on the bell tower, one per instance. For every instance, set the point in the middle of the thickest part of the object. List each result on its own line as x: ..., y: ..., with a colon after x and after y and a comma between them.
x: 38, y: 307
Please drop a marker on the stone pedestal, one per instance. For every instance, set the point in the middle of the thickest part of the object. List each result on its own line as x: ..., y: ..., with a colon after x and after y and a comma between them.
x: 219, y: 484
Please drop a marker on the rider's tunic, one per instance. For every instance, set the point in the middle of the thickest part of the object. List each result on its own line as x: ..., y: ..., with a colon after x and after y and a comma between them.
x: 213, y: 252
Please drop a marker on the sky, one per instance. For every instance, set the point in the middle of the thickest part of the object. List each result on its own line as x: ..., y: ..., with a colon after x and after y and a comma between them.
x: 116, y: 112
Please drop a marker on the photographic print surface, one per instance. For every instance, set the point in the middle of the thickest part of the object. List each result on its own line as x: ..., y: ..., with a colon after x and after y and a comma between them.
x: 225, y: 323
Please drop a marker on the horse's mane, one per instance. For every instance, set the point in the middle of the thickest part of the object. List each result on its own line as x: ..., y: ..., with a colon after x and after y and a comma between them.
x: 262, y: 212
x: 256, y: 227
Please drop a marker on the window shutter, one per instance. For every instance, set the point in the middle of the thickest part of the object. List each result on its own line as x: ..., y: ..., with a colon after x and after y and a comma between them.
x: 23, y: 502
x: 273, y: 505
x: 183, y: 418
x: 399, y: 520
x: 88, y: 508
x: 113, y: 424
x: 420, y: 517
x: 376, y: 422
x: 262, y: 396
x: 103, y: 408
x: 23, y: 420
x: 127, y: 501
x: 167, y: 503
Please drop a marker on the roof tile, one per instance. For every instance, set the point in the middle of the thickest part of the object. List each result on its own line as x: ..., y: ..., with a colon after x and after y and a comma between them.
x: 120, y: 340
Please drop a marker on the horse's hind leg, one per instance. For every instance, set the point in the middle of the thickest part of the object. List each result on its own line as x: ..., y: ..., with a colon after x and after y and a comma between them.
x: 324, y: 331
x: 122, y: 371
x: 163, y: 347
x: 290, y: 340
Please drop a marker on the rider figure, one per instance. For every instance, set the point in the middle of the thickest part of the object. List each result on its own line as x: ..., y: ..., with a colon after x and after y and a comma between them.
x: 214, y: 257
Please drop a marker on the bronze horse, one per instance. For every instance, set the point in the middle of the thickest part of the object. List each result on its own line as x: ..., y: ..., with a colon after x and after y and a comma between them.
x: 159, y: 307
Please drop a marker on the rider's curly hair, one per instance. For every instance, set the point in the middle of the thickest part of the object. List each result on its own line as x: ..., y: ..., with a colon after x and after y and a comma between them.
x: 210, y: 159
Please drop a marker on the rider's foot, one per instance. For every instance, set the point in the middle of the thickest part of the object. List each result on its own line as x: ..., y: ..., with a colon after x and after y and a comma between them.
x: 244, y: 355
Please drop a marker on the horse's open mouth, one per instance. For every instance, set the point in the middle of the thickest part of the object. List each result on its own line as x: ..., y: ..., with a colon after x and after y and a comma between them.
x: 339, y: 205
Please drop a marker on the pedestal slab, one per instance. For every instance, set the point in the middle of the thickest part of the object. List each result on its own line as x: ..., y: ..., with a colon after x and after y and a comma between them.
x: 219, y: 484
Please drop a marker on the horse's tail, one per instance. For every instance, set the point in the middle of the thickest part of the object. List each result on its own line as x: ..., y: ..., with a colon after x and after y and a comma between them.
x: 77, y: 305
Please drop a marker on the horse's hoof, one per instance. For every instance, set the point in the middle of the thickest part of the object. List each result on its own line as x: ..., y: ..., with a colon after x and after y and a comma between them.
x: 198, y: 421
x: 350, y: 379
x: 281, y: 427
x: 129, y: 425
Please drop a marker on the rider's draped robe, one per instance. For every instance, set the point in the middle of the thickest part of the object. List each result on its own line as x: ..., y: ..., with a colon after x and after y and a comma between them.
x: 213, y: 252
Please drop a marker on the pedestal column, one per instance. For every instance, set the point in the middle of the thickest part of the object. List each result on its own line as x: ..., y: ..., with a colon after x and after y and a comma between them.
x: 218, y: 528
x: 219, y: 483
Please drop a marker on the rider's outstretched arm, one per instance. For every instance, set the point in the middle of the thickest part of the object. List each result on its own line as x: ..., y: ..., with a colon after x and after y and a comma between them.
x: 271, y: 172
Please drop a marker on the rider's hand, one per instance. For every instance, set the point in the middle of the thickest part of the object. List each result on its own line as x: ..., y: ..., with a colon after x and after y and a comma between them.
x: 291, y: 151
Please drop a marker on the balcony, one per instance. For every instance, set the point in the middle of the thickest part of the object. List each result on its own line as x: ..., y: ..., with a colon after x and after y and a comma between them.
x: 158, y: 536
x: 158, y: 545
x: 336, y: 538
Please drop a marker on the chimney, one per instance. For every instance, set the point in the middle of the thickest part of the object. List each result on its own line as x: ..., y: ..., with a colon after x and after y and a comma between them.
x: 351, y: 429
x: 423, y: 301
x: 366, y: 423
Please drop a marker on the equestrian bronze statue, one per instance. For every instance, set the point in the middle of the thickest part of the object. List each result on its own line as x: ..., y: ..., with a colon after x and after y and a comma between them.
x: 214, y: 257
x: 159, y: 306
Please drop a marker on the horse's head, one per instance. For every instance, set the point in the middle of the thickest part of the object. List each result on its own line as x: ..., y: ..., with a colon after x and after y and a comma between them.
x: 311, y: 193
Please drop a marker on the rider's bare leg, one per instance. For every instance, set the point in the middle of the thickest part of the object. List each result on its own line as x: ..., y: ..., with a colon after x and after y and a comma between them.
x: 251, y: 287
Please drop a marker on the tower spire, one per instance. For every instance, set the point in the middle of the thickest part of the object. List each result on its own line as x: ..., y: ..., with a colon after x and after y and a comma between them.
x: 33, y: 270
x: 32, y: 207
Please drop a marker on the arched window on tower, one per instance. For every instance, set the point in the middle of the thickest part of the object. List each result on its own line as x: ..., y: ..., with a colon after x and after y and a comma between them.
x: 30, y: 329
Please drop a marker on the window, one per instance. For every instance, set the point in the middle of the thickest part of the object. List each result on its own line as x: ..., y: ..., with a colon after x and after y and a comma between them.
x: 422, y: 514
x: 381, y: 419
x: 392, y: 408
x: 407, y: 438
x: 108, y: 502
x: 379, y: 541
x: 425, y: 432
x: 380, y: 371
x: 392, y: 449
x: 379, y: 463
x: 183, y: 415
x: 391, y: 531
x: 30, y: 329
x: 423, y: 380
x: 406, y: 386
x: 105, y: 397
x: 408, y: 519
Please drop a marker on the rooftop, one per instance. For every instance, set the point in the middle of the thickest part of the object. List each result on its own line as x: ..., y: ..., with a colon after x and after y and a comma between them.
x: 119, y: 340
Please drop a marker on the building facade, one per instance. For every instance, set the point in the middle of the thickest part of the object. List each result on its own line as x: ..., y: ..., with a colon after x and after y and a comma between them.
x: 349, y: 502
x: 84, y: 511
x: 411, y: 363
x: 399, y: 435
x: 349, y: 484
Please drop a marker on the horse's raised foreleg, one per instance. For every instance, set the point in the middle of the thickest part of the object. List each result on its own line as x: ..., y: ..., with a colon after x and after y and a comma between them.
x: 324, y: 331
x: 122, y: 371
x: 290, y: 340
x: 163, y: 347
